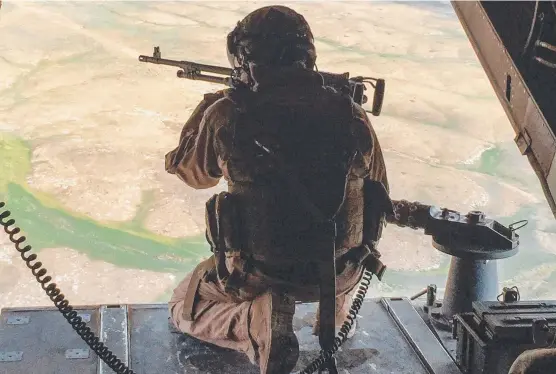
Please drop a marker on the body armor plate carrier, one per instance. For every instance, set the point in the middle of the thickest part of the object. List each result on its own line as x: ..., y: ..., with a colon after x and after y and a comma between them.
x: 262, y: 221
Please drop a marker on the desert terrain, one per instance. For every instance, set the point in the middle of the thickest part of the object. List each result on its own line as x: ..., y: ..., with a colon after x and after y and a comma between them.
x: 84, y: 127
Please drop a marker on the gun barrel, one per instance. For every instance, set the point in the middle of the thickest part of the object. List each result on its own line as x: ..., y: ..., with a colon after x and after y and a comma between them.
x: 209, y: 68
x: 412, y: 214
x: 207, y: 78
x: 161, y: 61
x: 187, y: 65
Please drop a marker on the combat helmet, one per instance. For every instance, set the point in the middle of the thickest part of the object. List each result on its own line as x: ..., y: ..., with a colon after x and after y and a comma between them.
x: 273, y: 35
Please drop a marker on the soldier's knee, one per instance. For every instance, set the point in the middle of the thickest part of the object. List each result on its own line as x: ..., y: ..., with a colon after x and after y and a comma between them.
x: 176, y: 314
x: 181, y: 290
x: 175, y: 305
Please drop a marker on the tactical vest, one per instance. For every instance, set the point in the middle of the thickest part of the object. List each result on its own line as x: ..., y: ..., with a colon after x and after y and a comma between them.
x: 262, y: 223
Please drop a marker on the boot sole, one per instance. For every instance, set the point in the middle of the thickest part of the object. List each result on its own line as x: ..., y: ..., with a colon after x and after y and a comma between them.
x: 284, y: 347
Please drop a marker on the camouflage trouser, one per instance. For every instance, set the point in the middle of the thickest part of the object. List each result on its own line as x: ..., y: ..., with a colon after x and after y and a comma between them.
x: 225, y: 321
x: 218, y: 318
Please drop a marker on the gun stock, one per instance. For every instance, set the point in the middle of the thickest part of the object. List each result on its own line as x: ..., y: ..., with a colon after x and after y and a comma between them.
x: 229, y: 77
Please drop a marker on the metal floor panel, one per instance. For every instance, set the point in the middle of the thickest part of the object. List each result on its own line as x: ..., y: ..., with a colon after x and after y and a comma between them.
x: 140, y: 335
x: 40, y: 341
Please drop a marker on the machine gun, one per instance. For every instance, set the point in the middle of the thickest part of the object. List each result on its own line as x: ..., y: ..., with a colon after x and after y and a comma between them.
x: 355, y: 86
x: 473, y: 240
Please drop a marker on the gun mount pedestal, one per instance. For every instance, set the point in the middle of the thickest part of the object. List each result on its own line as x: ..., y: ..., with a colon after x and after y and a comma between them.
x: 474, y: 242
x: 473, y: 276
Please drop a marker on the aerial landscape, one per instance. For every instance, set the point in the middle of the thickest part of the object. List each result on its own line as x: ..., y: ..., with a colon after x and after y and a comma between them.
x: 84, y: 127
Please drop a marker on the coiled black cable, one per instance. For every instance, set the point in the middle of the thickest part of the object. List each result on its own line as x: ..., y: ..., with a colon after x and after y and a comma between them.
x: 58, y: 298
x: 358, y: 300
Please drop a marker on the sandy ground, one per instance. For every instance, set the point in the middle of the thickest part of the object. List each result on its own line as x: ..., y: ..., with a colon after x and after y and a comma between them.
x: 100, y: 122
x: 81, y: 280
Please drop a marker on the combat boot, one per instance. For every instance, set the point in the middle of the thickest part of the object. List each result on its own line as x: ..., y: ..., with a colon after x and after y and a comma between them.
x: 343, y: 305
x: 272, y: 331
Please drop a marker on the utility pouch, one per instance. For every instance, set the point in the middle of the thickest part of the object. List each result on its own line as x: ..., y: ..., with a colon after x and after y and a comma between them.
x: 377, y: 206
x: 211, y: 222
x: 213, y: 235
x: 223, y: 236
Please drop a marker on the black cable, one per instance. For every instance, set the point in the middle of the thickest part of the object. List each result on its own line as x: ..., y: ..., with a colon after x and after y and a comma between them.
x: 58, y: 298
x: 358, y: 300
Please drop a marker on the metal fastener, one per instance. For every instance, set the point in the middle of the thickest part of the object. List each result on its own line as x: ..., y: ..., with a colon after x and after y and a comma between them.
x: 17, y: 320
x: 85, y: 317
x: 11, y: 356
x: 73, y: 354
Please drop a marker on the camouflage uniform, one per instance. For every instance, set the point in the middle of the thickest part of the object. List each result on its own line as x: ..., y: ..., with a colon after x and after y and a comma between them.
x: 206, y: 304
